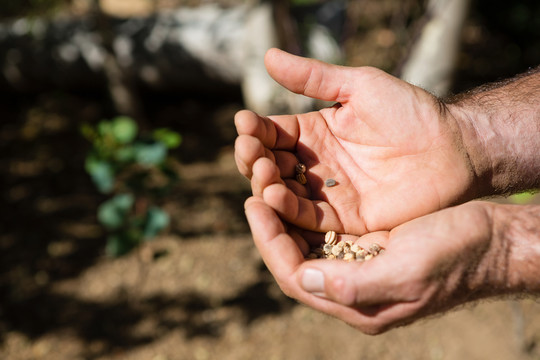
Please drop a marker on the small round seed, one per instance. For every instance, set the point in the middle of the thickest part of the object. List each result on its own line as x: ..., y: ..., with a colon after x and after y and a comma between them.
x: 327, y: 249
x: 368, y: 257
x: 300, y: 168
x: 349, y: 257
x: 361, y: 252
x: 331, y: 257
x: 355, y: 248
x: 336, y: 251
x: 330, y: 182
x: 374, y: 248
x: 301, y: 178
x: 330, y: 237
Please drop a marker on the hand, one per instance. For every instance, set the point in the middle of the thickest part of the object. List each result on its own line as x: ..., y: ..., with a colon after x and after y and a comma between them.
x: 394, y: 150
x: 431, y: 264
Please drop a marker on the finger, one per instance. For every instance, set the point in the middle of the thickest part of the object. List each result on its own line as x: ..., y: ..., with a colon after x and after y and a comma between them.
x: 275, y: 132
x: 297, y: 188
x: 309, y: 77
x: 265, y: 173
x: 278, y: 250
x: 286, y: 161
x: 310, y: 215
x: 249, y: 123
x: 302, y: 244
x: 247, y: 149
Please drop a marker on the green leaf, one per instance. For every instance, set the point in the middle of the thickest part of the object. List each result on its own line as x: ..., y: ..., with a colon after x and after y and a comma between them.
x: 170, y: 138
x: 113, y: 213
x: 156, y: 220
x: 124, y: 129
x: 101, y: 172
x: 104, y: 128
x: 125, y: 154
x: 150, y: 153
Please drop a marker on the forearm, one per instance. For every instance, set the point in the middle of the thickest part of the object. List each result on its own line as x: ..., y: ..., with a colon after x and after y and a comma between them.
x: 500, y: 124
x: 511, y: 263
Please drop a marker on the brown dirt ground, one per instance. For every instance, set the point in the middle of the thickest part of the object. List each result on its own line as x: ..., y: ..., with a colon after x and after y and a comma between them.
x: 199, y: 292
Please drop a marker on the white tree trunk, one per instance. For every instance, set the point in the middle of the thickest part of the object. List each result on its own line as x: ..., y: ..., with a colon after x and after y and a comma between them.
x: 434, y: 56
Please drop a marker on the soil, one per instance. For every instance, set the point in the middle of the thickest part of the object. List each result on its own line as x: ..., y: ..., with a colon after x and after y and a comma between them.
x: 200, y: 291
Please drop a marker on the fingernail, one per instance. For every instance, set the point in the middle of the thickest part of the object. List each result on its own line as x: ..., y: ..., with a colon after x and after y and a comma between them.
x: 313, y: 282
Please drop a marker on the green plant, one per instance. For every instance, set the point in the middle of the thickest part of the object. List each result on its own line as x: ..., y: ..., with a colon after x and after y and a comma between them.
x: 136, y: 171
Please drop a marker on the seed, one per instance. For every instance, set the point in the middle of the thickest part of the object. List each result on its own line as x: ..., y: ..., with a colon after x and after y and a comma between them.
x: 355, y: 248
x: 361, y: 252
x: 368, y: 257
x: 312, y: 255
x: 318, y: 251
x: 381, y: 252
x: 331, y: 256
x: 330, y: 182
x: 349, y: 257
x: 301, y: 178
x: 374, y: 248
x: 340, y: 245
x: 327, y: 248
x: 336, y: 251
x: 330, y: 237
x: 300, y: 168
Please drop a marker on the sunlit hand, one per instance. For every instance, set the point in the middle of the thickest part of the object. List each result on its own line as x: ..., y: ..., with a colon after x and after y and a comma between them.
x: 431, y: 264
x: 393, y: 149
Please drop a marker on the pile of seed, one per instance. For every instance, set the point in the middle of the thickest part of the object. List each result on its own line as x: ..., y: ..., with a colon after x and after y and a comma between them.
x: 346, y: 250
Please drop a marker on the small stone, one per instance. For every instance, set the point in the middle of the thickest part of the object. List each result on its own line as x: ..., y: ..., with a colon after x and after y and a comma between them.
x: 330, y: 182
x: 300, y: 168
x: 301, y: 178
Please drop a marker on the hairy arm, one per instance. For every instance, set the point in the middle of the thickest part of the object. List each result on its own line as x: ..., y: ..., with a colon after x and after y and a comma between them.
x: 518, y: 229
x: 500, y: 123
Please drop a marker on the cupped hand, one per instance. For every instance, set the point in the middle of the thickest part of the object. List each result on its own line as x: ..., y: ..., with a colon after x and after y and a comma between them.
x: 394, y: 150
x: 431, y: 264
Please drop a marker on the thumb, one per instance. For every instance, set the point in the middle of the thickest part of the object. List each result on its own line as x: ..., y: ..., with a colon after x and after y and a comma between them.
x: 309, y: 77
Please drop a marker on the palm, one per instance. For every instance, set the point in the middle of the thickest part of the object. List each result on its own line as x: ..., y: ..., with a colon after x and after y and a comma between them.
x: 393, y: 154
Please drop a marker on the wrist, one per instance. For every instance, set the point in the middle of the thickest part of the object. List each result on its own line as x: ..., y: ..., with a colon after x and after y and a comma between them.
x: 511, y: 262
x: 518, y: 227
x: 500, y: 128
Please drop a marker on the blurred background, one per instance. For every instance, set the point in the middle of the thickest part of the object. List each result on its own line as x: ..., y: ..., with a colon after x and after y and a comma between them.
x: 122, y: 229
